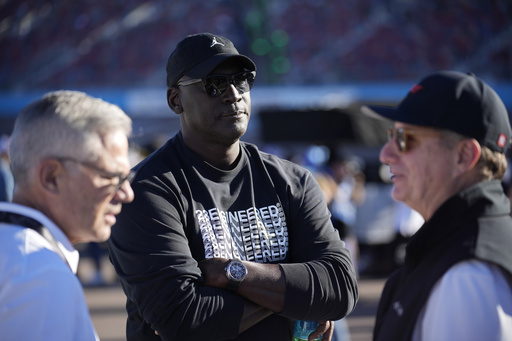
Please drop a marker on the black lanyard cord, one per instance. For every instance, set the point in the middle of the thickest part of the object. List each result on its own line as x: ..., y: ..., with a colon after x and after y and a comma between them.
x: 21, y: 220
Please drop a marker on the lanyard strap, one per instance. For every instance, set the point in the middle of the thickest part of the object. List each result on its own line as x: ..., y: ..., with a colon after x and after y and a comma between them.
x: 21, y: 220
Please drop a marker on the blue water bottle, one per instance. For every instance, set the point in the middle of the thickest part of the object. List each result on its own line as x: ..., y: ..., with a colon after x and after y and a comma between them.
x: 302, y: 329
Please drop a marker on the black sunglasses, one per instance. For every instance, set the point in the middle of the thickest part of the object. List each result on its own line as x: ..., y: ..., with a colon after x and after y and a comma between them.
x: 216, y: 85
x: 402, y: 136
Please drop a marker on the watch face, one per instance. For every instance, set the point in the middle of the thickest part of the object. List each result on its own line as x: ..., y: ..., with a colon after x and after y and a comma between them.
x: 237, y: 270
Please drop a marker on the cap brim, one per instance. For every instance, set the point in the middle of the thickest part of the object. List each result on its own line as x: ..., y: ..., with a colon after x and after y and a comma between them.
x: 381, y: 113
x: 206, y: 67
x: 392, y: 114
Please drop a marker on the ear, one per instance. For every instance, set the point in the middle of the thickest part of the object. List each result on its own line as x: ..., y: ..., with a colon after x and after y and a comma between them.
x: 173, y: 100
x: 469, y: 154
x: 49, y: 172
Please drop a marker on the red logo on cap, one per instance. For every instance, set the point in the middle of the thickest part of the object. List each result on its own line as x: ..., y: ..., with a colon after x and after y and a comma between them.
x: 416, y: 88
x: 502, y: 140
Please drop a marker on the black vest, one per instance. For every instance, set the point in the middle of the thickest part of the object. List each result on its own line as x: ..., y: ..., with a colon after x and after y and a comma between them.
x: 475, y: 224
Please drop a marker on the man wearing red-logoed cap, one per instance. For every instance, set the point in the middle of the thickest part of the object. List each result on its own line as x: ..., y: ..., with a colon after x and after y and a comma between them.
x: 223, y: 241
x: 446, y: 154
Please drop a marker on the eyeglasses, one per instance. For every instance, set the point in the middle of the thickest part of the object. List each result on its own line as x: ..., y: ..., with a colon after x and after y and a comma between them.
x: 216, y: 85
x: 403, y: 136
x: 116, y: 179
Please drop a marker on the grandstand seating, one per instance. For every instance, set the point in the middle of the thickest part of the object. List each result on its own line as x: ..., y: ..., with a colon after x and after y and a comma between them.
x: 125, y: 43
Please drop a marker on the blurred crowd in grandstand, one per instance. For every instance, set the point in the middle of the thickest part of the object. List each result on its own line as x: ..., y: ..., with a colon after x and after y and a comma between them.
x: 125, y: 43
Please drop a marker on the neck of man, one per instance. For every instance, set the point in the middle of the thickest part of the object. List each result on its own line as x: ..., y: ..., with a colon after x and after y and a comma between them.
x: 454, y: 187
x: 219, y: 155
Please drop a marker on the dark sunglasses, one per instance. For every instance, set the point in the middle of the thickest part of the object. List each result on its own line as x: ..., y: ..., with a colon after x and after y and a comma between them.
x: 216, y: 85
x: 403, y: 136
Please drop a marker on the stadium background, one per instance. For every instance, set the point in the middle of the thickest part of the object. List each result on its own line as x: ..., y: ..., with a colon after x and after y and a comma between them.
x: 312, y: 55
x: 318, y: 61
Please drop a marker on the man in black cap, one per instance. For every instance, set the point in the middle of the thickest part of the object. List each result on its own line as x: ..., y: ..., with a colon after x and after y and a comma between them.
x: 224, y: 241
x: 446, y: 154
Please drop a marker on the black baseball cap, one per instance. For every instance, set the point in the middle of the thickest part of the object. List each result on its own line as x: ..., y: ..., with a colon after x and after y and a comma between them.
x: 198, y: 54
x: 454, y: 101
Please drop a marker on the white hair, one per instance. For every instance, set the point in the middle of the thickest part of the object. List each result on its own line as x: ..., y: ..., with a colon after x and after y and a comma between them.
x: 62, y: 124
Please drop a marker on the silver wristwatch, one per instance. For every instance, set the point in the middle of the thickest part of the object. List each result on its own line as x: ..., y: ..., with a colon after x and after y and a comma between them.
x: 235, y: 272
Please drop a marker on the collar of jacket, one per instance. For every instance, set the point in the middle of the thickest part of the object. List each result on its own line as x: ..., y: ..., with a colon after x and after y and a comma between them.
x: 459, y: 220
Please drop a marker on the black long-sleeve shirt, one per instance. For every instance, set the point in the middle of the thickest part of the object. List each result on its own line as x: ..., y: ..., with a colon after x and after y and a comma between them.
x: 265, y: 210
